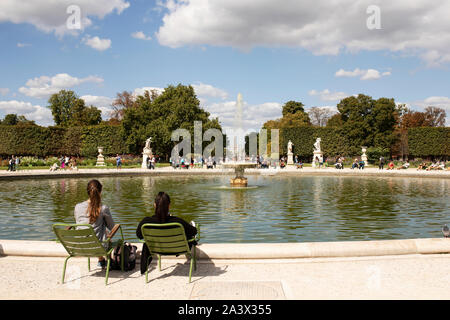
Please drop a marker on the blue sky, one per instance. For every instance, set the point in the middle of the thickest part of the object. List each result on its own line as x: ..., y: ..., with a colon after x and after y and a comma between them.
x: 271, y: 53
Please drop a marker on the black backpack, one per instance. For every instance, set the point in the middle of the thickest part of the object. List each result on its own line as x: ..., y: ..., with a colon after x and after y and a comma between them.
x: 129, y: 257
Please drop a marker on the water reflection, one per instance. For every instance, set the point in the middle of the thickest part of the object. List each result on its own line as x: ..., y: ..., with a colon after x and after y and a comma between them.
x: 281, y: 209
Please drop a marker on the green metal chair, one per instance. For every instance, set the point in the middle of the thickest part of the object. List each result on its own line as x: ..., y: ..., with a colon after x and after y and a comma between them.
x: 80, y: 240
x: 169, y: 239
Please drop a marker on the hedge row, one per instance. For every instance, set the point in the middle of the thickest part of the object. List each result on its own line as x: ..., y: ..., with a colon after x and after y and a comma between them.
x: 84, y: 141
x: 429, y: 142
x: 422, y: 142
x: 74, y: 141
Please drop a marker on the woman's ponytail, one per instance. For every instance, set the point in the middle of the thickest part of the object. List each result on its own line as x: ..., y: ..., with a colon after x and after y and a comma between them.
x: 94, y: 190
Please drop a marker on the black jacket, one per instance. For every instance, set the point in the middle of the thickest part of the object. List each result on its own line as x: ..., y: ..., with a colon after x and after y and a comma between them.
x: 146, y: 257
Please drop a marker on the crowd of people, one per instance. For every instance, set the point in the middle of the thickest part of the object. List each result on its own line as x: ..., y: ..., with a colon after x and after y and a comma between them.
x: 64, y: 163
x: 13, y: 163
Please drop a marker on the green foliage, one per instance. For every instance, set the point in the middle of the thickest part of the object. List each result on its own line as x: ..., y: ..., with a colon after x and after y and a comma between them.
x: 158, y: 116
x: 69, y: 110
x: 292, y: 107
x: 333, y: 141
x: 74, y: 141
x: 368, y: 122
x: 429, y: 141
x: 374, y: 154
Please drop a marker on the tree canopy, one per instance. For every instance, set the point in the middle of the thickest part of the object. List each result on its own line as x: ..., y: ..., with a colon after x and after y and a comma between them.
x: 70, y: 110
x: 158, y: 116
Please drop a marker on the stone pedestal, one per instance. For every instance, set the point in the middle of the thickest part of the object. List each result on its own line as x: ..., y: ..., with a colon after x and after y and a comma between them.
x: 319, y: 155
x: 100, y: 158
x: 290, y: 159
x: 145, y: 155
x: 364, y: 155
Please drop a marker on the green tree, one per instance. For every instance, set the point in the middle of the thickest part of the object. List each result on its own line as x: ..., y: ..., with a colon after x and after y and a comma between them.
x: 292, y: 107
x: 368, y: 122
x: 13, y: 119
x: 70, y: 110
x: 10, y: 119
x: 158, y: 116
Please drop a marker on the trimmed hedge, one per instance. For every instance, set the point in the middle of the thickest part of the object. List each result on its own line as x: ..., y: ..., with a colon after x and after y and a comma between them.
x: 429, y: 141
x: 73, y: 141
x: 333, y: 141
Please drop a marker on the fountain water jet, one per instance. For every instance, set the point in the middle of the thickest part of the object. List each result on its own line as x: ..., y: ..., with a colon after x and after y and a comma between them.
x: 237, y: 151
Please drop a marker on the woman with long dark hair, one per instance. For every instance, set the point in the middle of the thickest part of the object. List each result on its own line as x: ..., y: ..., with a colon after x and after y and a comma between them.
x: 162, y: 215
x: 93, y: 212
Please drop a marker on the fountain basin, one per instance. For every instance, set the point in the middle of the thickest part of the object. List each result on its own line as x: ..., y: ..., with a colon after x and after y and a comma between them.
x: 239, y: 167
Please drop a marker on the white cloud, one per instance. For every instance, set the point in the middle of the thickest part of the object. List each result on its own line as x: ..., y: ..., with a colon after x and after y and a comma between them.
x: 141, y: 91
x: 44, y: 86
x: 101, y: 102
x: 325, y: 28
x: 51, y: 16
x: 22, y: 45
x: 363, y: 74
x: 140, y: 35
x: 253, y: 116
x: 41, y: 115
x: 435, y: 101
x: 97, y: 43
x: 327, y: 95
x: 4, y: 91
x: 207, y: 90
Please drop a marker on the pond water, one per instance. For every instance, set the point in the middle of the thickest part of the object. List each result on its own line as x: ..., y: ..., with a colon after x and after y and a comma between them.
x: 279, y: 209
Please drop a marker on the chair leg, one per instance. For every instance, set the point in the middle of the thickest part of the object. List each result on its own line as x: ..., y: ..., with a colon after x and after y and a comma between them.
x: 64, y: 269
x: 89, y: 264
x: 107, y: 271
x: 148, y: 267
x: 195, y: 259
x: 190, y: 269
x: 159, y: 262
x: 122, y: 258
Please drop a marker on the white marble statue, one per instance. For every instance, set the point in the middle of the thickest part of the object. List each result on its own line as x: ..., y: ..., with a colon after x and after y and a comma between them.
x: 290, y: 144
x: 317, y: 145
x: 147, y: 143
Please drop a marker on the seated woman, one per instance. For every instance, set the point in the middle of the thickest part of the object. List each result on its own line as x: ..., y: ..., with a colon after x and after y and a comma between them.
x: 300, y: 164
x: 94, y: 213
x: 162, y: 215
x: 355, y: 164
x: 391, y: 166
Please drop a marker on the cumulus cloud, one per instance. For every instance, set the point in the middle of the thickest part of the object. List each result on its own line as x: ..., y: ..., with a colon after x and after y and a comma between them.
x: 140, y: 35
x: 51, y: 16
x: 327, y: 95
x: 206, y: 90
x: 44, y: 86
x: 97, y: 43
x: 325, y: 28
x: 368, y: 74
x: 435, y: 101
x: 141, y: 91
x: 253, y: 117
x: 101, y: 102
x: 41, y: 115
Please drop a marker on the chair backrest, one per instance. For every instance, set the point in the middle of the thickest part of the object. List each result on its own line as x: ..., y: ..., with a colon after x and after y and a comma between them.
x: 79, y: 240
x: 165, y: 238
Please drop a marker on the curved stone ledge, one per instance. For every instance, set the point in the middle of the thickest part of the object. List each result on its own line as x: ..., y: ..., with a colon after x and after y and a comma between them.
x: 168, y: 171
x: 262, y: 250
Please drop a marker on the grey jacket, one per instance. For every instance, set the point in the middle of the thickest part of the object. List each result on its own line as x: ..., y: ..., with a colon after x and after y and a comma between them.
x: 103, y: 222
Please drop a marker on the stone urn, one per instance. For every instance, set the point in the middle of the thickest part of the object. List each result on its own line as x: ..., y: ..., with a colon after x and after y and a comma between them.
x: 100, y: 158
